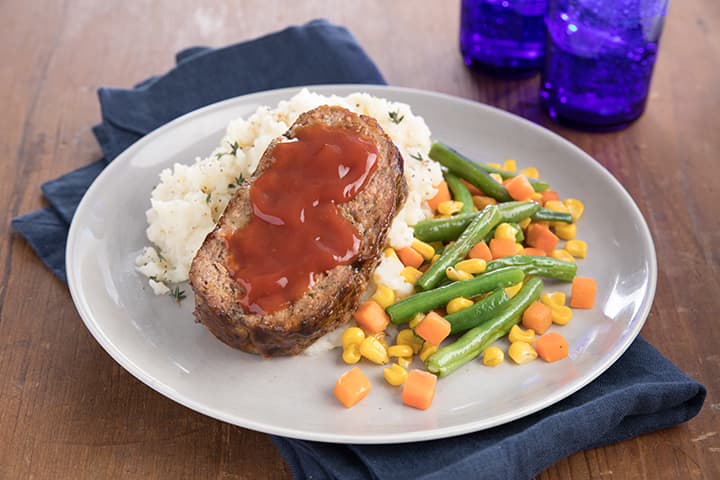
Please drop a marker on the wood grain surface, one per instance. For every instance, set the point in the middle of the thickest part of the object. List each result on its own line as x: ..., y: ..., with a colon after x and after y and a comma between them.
x: 67, y: 410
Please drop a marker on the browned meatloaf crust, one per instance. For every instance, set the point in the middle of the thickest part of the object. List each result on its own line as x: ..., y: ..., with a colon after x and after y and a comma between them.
x: 332, y: 299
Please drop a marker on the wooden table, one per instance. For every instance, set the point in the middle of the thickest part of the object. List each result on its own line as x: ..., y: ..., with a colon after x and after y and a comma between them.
x: 67, y: 410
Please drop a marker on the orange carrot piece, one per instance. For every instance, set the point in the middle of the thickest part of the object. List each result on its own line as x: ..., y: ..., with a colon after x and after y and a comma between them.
x: 548, y: 195
x: 419, y: 389
x: 540, y: 236
x: 534, y: 252
x: 481, y: 250
x: 552, y: 347
x: 443, y: 195
x: 502, y: 247
x: 371, y: 317
x: 519, y: 188
x: 351, y: 387
x: 473, y: 189
x: 582, y: 294
x: 410, y: 257
x: 433, y: 328
x: 537, y: 316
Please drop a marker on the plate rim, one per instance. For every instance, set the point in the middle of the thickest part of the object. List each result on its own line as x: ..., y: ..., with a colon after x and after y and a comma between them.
x: 80, y: 302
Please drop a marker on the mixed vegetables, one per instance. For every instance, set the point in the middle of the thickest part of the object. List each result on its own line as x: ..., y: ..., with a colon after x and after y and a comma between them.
x: 477, y: 268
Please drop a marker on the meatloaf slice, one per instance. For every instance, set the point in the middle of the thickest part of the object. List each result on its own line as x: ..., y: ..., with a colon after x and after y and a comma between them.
x: 330, y: 302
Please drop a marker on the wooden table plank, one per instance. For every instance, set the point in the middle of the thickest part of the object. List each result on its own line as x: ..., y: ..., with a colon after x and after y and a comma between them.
x: 68, y: 411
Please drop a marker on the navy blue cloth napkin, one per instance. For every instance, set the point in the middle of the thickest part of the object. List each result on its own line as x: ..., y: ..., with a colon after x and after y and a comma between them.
x: 642, y: 392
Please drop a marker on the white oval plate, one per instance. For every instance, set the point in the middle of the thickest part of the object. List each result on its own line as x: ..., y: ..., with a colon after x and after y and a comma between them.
x: 158, y: 342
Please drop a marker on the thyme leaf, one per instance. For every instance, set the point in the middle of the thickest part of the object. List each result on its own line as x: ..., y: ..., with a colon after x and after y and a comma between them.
x: 177, y: 294
x: 417, y: 157
x: 396, y: 117
x: 208, y: 198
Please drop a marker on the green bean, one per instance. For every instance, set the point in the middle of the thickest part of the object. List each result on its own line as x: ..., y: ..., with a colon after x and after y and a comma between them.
x: 473, y: 342
x: 538, y: 185
x: 547, y: 215
x: 405, y: 309
x: 460, y: 192
x: 476, y: 314
x: 542, y: 266
x: 468, y: 170
x: 478, y: 228
x: 446, y: 229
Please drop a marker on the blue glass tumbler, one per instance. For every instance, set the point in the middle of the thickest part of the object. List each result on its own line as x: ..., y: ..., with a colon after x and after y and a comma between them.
x: 599, y: 60
x: 503, y: 37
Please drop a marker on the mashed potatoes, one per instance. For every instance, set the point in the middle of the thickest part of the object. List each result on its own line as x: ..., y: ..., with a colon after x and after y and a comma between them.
x: 190, y: 198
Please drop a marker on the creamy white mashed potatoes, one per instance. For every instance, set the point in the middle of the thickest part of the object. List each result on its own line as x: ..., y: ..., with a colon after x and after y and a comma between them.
x: 189, y: 199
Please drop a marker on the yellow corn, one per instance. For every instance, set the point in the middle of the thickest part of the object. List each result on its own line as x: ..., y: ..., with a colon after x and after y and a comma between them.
x: 576, y: 248
x: 380, y: 336
x: 575, y: 206
x: 457, y: 304
x: 410, y: 274
x: 562, y: 254
x: 494, y: 165
x: 457, y: 275
x: 530, y: 172
x: 390, y: 252
x: 351, y: 354
x: 505, y: 230
x: 510, y: 165
x: 525, y: 222
x: 517, y: 334
x: 481, y: 201
x: 384, y: 295
x: 395, y: 375
x: 404, y: 361
x: 561, y: 314
x: 522, y: 352
x: 473, y: 265
x: 416, y: 320
x: 557, y: 206
x: 434, y: 259
x: 400, y: 351
x: 519, y: 249
x: 373, y: 350
x: 565, y: 231
x: 425, y: 249
x: 536, y: 197
x: 353, y: 335
x: 449, y: 207
x: 427, y: 350
x: 493, y: 356
x: 513, y: 290
x: 553, y: 299
x: 408, y: 337
x: 496, y: 177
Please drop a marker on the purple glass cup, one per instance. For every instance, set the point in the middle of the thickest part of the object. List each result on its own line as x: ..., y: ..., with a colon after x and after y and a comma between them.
x: 503, y: 37
x: 599, y: 60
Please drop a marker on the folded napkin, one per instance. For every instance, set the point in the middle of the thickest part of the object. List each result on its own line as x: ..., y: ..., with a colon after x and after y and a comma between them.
x: 642, y: 392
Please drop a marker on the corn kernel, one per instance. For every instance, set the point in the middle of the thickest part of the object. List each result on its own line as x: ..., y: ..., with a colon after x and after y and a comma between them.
x: 517, y: 334
x: 434, y: 259
x: 524, y: 222
x: 481, y: 201
x: 566, y: 231
x: 473, y: 265
x: 510, y: 165
x: 576, y: 248
x: 449, y: 207
x: 496, y: 177
x: 505, y: 230
x: 410, y: 274
x: 427, y: 350
x: 351, y: 354
x: 458, y: 304
x: 384, y: 295
x: 390, y: 252
x: 493, y: 356
x: 530, y: 172
x: 561, y: 314
x: 575, y: 206
x: 556, y: 206
x: 400, y: 351
x: 381, y: 337
x: 522, y: 352
x: 536, y: 197
x: 513, y: 290
x: 553, y: 299
x: 373, y: 350
x: 404, y: 361
x: 419, y: 317
x: 425, y: 249
x: 408, y: 337
x: 353, y: 335
x: 494, y: 165
x: 562, y: 254
x: 519, y: 249
x: 395, y: 375
x: 457, y: 275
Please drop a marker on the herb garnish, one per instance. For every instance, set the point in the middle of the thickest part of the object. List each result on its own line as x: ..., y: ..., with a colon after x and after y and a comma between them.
x: 395, y: 116
x: 238, y: 181
x: 177, y: 294
x: 209, y: 196
x: 417, y: 157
